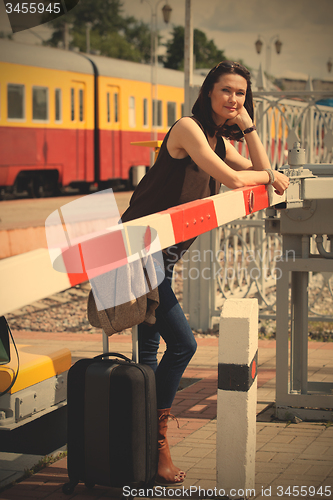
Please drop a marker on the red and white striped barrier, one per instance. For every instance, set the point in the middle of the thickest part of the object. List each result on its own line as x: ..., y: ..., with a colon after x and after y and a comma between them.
x: 197, y: 217
x: 30, y: 277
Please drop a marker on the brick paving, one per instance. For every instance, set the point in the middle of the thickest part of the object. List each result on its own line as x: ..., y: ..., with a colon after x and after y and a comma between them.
x: 288, y: 455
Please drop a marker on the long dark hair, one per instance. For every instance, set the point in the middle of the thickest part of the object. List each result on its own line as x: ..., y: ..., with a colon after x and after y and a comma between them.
x: 202, y: 108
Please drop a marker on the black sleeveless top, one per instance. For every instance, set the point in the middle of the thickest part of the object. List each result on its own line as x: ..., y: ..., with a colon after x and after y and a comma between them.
x: 171, y: 182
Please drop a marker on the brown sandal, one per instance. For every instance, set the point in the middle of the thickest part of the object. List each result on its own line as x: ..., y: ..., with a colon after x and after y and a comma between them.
x: 167, y: 474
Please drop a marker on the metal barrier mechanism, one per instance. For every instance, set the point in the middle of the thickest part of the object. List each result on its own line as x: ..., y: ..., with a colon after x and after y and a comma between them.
x: 308, y: 211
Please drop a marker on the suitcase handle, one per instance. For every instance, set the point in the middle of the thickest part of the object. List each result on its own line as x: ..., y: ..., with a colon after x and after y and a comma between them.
x: 116, y: 354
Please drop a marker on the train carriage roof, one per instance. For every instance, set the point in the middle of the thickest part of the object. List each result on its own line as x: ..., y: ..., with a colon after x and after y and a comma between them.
x: 119, y: 68
x: 43, y: 57
x: 66, y: 60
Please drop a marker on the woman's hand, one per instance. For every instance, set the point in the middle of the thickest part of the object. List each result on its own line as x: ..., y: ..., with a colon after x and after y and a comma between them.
x: 281, y: 182
x: 243, y: 119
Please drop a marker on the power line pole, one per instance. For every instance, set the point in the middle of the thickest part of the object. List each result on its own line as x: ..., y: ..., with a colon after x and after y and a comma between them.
x: 188, y: 57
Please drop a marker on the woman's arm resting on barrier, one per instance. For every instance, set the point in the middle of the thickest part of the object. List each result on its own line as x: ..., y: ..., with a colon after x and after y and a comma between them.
x: 239, y: 163
x: 187, y: 138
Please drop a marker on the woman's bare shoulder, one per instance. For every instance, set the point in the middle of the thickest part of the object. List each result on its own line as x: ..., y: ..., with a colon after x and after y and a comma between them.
x: 183, y: 123
x: 186, y: 125
x: 185, y: 132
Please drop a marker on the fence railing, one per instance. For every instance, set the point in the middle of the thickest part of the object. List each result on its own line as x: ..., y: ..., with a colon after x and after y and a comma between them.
x: 285, y: 117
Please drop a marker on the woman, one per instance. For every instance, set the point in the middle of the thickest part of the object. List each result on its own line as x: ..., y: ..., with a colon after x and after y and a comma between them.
x: 194, y: 159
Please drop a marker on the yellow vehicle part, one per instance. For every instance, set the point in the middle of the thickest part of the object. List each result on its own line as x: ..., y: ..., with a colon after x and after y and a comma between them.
x: 37, y: 363
x: 150, y: 144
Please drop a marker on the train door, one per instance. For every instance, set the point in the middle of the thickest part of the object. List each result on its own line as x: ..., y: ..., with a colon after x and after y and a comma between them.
x: 113, y: 131
x: 78, y: 118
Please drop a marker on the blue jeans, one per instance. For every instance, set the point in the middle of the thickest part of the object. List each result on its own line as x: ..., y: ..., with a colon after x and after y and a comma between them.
x: 181, y: 345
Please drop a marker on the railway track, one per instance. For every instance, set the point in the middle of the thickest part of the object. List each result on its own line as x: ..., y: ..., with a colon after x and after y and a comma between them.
x: 61, y: 312
x: 64, y: 311
x: 67, y: 312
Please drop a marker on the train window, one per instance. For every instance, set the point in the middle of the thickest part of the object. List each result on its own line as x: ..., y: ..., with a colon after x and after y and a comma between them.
x: 57, y: 95
x: 145, y: 112
x: 108, y: 110
x: 81, y: 105
x: 171, y: 106
x: 72, y: 105
x: 157, y: 113
x: 131, y: 111
x: 116, y: 118
x: 40, y: 103
x: 15, y: 102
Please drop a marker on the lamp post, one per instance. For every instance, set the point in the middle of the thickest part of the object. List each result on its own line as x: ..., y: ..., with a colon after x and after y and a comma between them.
x: 278, y: 45
x: 166, y: 12
x: 88, y: 28
x: 66, y: 36
x: 188, y: 57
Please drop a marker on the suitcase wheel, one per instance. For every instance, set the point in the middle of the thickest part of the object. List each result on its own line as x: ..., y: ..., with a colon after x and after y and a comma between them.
x: 68, y: 488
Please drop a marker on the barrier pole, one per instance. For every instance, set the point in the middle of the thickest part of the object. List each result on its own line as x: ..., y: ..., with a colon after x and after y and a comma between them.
x: 237, y: 396
x: 30, y: 276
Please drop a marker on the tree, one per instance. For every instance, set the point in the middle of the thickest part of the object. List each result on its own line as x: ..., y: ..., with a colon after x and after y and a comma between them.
x: 111, y: 33
x: 205, y: 51
x: 6, y: 35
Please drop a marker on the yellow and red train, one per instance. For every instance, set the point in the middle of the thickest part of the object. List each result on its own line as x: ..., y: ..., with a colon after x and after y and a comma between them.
x: 68, y: 119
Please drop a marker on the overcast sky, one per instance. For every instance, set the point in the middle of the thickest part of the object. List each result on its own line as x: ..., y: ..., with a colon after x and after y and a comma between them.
x: 304, y: 28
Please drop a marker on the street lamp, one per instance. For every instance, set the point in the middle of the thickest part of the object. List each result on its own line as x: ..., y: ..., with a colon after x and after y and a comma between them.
x: 258, y: 45
x: 166, y: 12
x: 329, y: 65
x: 278, y: 45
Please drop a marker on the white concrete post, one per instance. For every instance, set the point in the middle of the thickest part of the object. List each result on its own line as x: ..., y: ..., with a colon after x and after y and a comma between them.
x: 237, y: 396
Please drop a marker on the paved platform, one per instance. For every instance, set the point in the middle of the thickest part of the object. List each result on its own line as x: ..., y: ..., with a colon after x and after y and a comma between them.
x: 288, y: 454
x: 22, y: 222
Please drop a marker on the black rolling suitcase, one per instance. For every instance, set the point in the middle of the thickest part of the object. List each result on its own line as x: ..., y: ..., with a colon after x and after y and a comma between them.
x: 112, y: 423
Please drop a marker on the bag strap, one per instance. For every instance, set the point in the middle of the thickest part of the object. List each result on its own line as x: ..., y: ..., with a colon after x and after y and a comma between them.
x: 18, y: 360
x: 145, y: 272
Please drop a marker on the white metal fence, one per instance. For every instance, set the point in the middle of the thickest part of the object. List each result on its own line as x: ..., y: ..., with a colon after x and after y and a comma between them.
x: 283, y: 118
